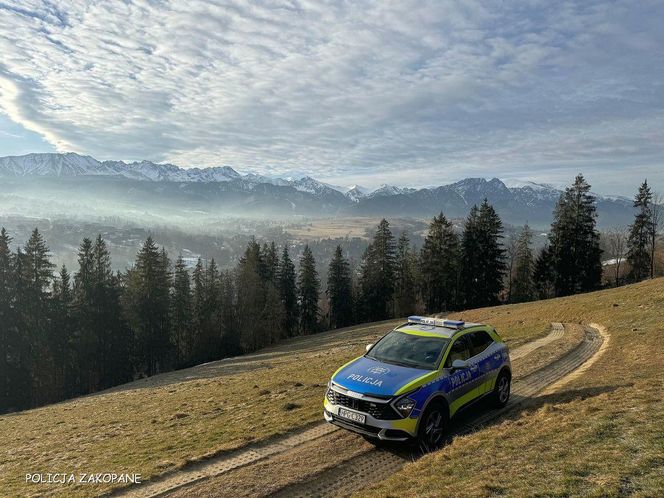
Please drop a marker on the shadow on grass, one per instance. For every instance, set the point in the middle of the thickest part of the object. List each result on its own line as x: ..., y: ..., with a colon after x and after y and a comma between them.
x: 470, y: 420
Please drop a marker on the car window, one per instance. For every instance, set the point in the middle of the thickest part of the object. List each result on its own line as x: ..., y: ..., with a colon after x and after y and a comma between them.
x: 460, y: 351
x: 409, y: 350
x: 480, y: 341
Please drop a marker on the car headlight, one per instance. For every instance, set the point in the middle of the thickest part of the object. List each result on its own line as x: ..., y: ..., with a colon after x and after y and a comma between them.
x: 330, y: 394
x: 404, y: 406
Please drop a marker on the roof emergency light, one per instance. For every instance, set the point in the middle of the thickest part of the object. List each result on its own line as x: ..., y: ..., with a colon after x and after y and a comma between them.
x: 436, y: 322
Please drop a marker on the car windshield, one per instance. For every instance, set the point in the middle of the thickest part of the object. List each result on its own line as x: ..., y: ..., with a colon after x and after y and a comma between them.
x: 409, y: 350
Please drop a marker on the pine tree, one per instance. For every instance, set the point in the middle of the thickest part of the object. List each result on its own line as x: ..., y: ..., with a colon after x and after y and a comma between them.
x: 198, y: 318
x: 270, y: 262
x: 339, y: 290
x: 230, y: 333
x: 574, y: 241
x: 405, y: 291
x: 181, y: 314
x: 212, y: 327
x: 309, y: 288
x: 62, y: 334
x: 9, y: 340
x: 483, y: 264
x: 38, y: 275
x: 523, y: 287
x: 147, y: 304
x: 543, y: 274
x: 289, y: 294
x: 251, y: 299
x: 439, y: 263
x: 377, y: 274
x: 640, y: 234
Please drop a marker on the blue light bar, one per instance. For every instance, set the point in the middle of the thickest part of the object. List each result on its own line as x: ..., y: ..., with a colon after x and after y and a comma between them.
x: 436, y: 322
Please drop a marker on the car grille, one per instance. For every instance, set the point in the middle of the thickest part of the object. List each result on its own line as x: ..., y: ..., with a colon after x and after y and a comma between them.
x: 381, y: 411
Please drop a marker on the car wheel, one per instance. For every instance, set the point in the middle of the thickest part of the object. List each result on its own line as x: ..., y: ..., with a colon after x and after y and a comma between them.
x: 432, y: 428
x: 501, y: 391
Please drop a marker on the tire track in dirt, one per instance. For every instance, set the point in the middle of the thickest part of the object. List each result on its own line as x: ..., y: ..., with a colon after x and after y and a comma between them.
x: 356, y: 473
x: 215, y: 466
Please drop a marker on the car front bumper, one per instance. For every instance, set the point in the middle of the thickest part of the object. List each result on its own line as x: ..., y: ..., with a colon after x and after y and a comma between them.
x: 385, y: 430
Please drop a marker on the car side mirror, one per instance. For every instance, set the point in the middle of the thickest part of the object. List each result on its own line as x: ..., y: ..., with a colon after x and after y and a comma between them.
x: 369, y: 346
x: 459, y: 364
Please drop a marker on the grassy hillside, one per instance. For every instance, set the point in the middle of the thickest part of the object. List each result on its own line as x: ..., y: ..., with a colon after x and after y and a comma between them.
x: 602, y: 434
x: 604, y: 431
x: 163, y: 422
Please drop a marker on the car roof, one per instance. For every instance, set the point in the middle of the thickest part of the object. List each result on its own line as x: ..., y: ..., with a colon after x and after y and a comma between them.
x: 434, y: 330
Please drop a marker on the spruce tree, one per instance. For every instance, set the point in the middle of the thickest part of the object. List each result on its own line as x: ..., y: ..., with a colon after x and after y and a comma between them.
x: 543, y: 274
x: 197, y: 352
x: 147, y: 304
x: 439, y: 263
x: 181, y: 314
x: 339, y: 290
x: 523, y: 288
x: 574, y: 241
x: 61, y: 336
x: 405, y: 291
x: 251, y: 299
x: 9, y: 340
x: 482, y: 261
x: 640, y: 235
x: 230, y: 332
x: 377, y: 274
x: 38, y: 275
x: 288, y: 293
x: 309, y: 288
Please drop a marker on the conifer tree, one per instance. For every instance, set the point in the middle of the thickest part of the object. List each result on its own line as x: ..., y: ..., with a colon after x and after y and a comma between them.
x: 9, y: 340
x: 543, y: 274
x: 339, y: 290
x: 471, y: 260
x: 61, y: 335
x: 309, y: 287
x: 212, y: 327
x: 405, y: 291
x: 37, y: 275
x: 377, y: 274
x: 574, y: 241
x: 640, y: 235
x: 230, y: 333
x: 147, y: 306
x: 482, y: 257
x: 181, y: 314
x: 288, y: 293
x: 523, y: 287
x: 199, y: 311
x: 251, y: 299
x: 439, y: 263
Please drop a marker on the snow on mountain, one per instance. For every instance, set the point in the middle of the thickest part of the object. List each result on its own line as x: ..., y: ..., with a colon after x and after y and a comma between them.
x: 386, y: 190
x: 355, y: 193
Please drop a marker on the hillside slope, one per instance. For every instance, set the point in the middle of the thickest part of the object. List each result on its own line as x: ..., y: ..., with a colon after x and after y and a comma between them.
x: 602, y: 434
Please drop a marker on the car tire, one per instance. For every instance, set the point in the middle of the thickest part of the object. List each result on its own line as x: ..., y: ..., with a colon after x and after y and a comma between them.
x: 433, y: 427
x: 501, y: 391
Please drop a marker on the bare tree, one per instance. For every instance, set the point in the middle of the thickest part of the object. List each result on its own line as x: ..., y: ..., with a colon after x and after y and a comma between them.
x: 617, y: 242
x: 657, y: 225
x: 511, y: 249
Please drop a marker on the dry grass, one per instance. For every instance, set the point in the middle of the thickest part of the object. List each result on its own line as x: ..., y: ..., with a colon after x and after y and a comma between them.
x: 600, y: 435
x: 154, y: 426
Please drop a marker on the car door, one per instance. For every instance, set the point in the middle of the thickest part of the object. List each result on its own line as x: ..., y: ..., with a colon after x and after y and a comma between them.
x: 460, y: 380
x: 481, y: 342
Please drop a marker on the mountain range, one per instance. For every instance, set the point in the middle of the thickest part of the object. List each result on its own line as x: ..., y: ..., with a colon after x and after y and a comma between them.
x: 147, y: 185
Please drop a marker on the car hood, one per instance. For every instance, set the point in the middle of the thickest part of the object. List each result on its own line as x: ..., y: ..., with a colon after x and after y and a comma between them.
x: 369, y: 376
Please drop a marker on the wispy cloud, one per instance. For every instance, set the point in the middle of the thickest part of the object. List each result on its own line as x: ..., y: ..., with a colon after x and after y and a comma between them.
x: 417, y: 92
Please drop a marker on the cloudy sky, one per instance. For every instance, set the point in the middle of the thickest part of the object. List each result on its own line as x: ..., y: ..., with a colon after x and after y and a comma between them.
x: 409, y: 92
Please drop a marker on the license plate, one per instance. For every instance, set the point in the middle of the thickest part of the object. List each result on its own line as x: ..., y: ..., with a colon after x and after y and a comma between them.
x: 355, y: 417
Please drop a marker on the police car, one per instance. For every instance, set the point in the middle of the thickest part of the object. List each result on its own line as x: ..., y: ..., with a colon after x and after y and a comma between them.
x: 416, y: 378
